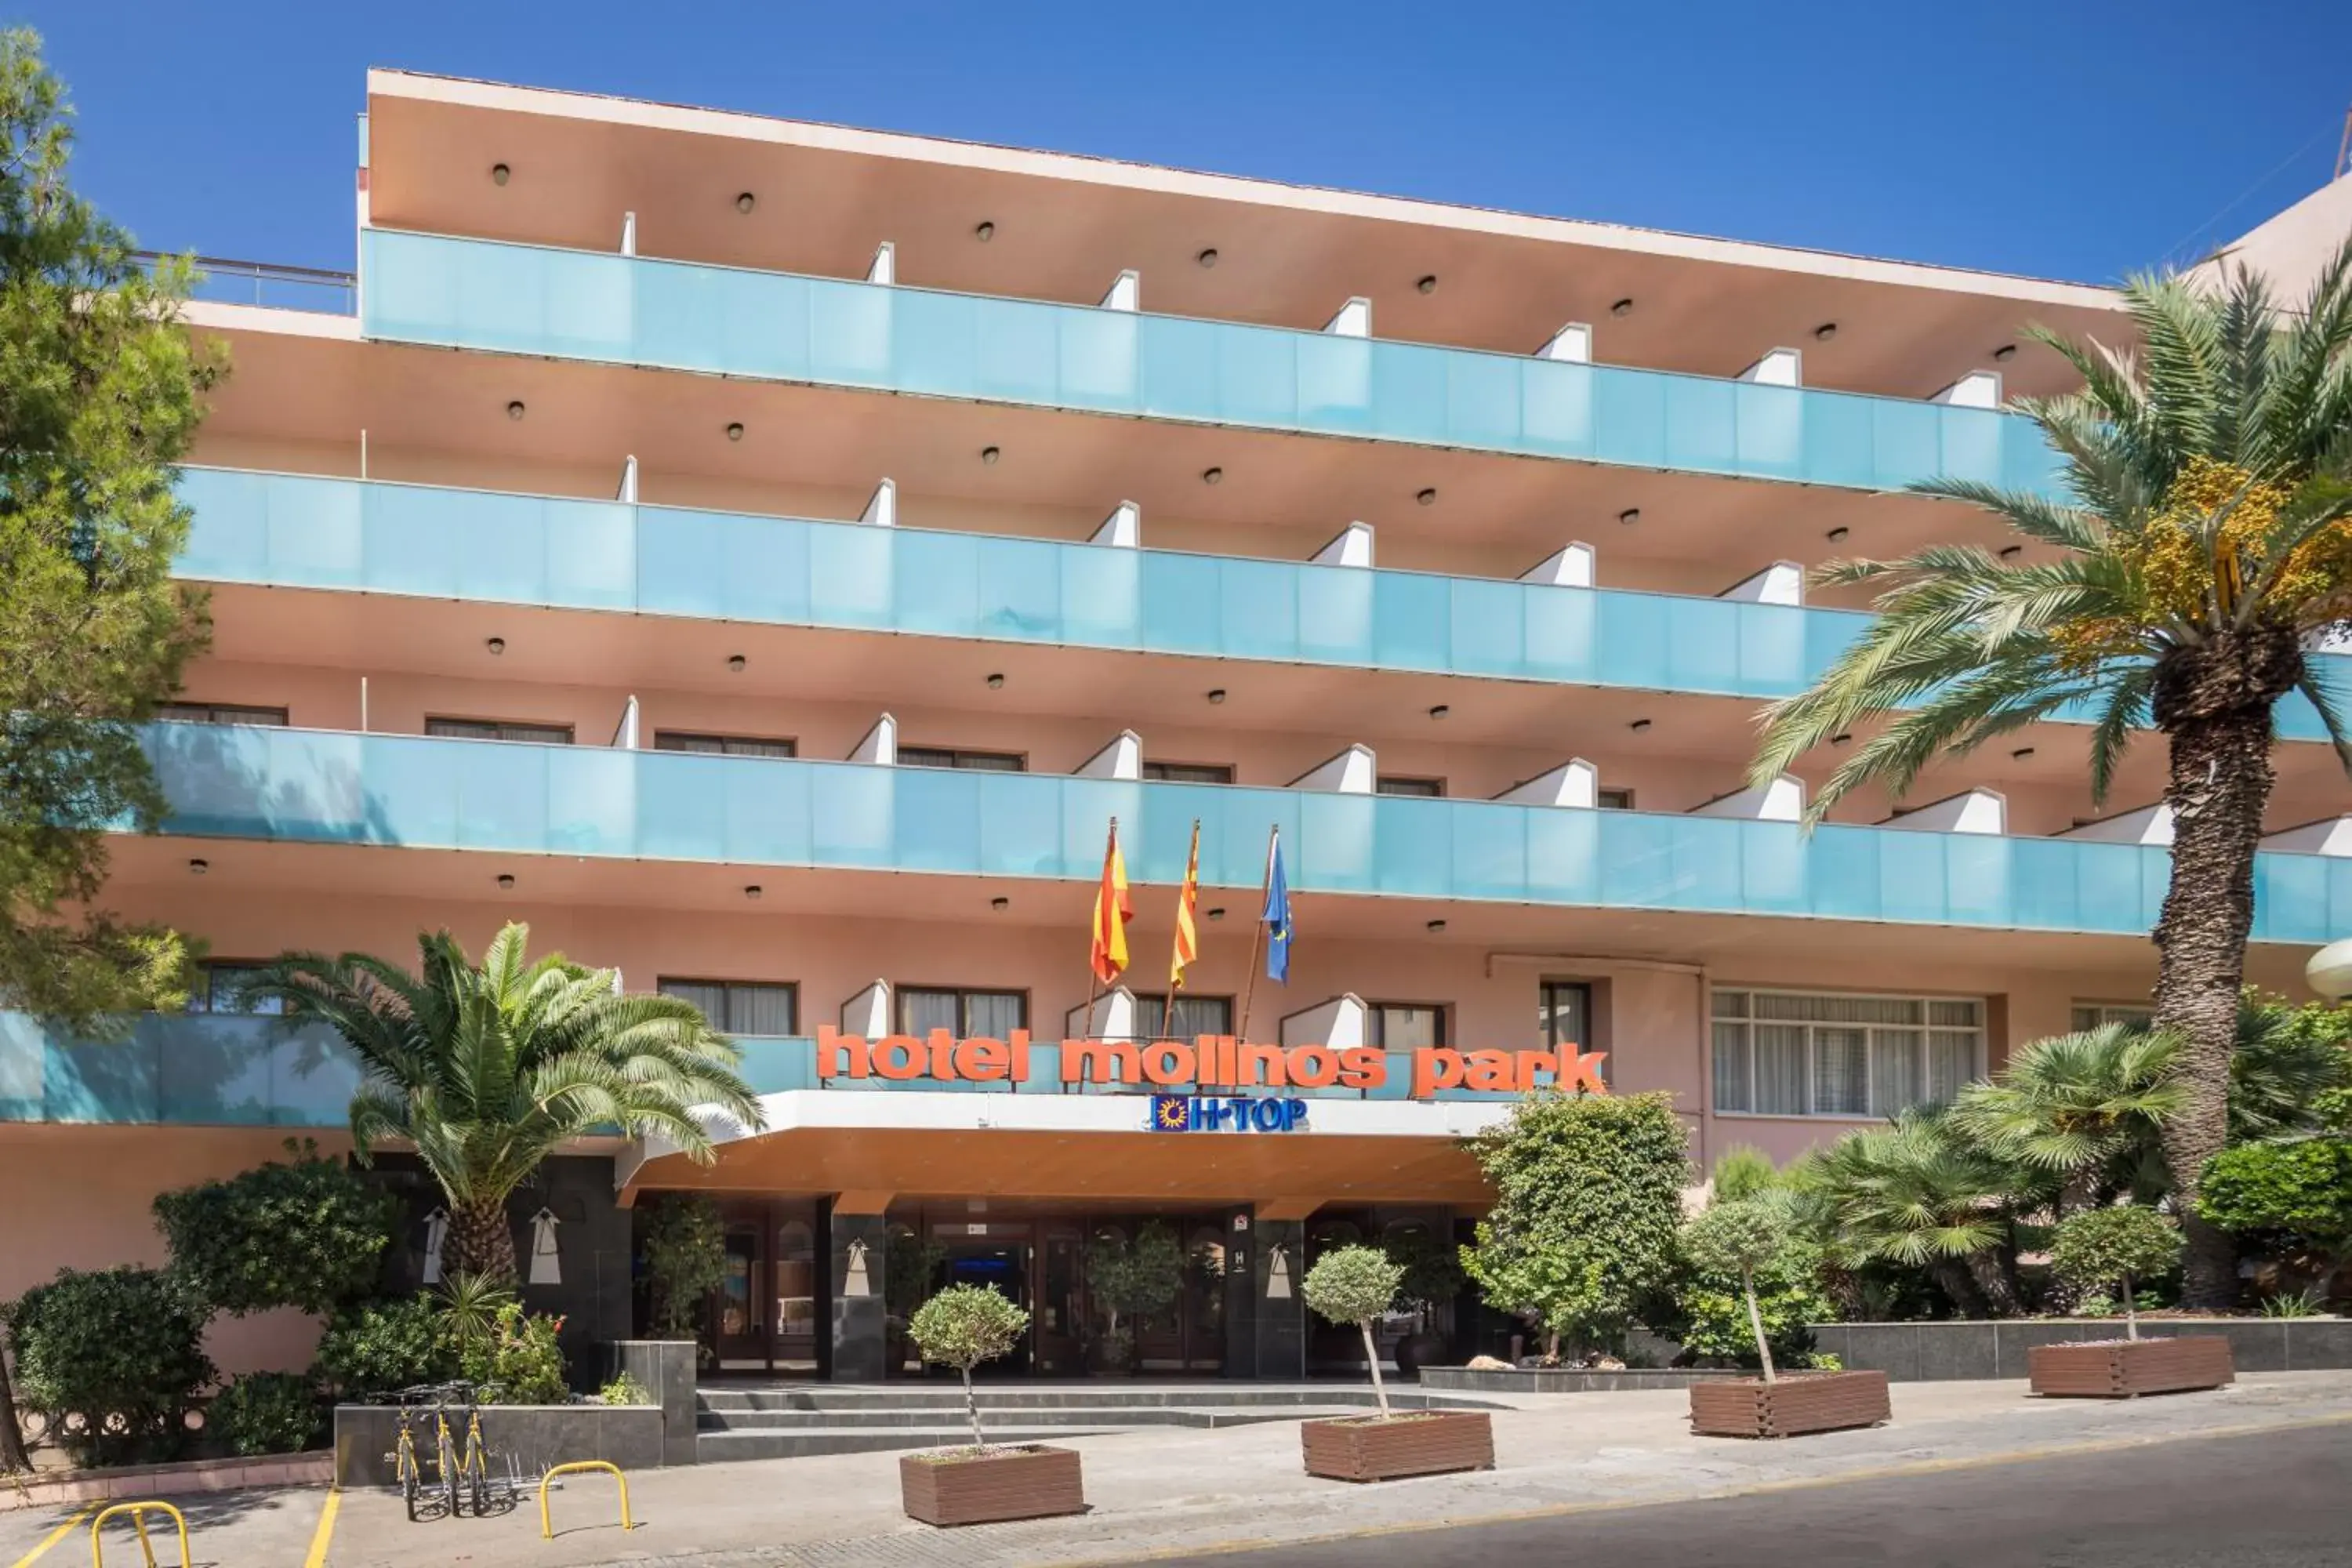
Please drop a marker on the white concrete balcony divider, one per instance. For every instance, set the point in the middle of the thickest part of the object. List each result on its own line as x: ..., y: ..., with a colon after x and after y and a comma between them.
x: 1352, y: 546
x: 1978, y: 389
x: 628, y: 234
x: 1970, y: 811
x: 1354, y: 320
x: 1575, y: 784
x: 1340, y: 1023
x: 1783, y: 800
x: 624, y: 737
x: 2330, y: 836
x: 880, y: 745
x: 882, y: 507
x: 1123, y: 529
x: 1353, y: 771
x: 1112, y: 1018
x: 629, y: 490
x: 867, y: 1014
x: 1782, y: 583
x: 2149, y: 824
x: 1122, y: 759
x: 1126, y: 292
x: 1570, y: 567
x: 1573, y: 344
x: 883, y: 267
x: 1778, y: 367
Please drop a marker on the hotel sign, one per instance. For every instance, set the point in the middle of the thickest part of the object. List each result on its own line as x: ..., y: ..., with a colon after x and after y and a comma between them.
x: 1237, y: 1113
x: 1207, y: 1062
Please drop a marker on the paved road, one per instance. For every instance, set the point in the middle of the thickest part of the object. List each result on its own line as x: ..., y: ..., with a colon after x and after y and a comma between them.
x: 2273, y: 1500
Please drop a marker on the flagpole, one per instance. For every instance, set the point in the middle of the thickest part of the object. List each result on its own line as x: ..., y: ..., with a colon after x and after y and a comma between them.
x: 1257, y: 932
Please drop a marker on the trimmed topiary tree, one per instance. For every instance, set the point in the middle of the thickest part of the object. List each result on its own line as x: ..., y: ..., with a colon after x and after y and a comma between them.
x: 963, y: 1326
x: 121, y: 1349
x: 2099, y: 1247
x: 1355, y: 1285
x: 1738, y: 1239
x: 308, y: 1233
x: 1134, y: 1278
x: 683, y: 1239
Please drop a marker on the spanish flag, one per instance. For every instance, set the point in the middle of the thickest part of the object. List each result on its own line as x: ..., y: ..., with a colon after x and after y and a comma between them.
x: 1187, y: 897
x: 1113, y: 910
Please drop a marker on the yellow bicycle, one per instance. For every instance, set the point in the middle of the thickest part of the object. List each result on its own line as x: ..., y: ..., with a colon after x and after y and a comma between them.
x: 450, y: 1473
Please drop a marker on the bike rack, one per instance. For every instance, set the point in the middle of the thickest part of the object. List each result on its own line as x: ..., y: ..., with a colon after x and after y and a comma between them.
x: 546, y: 1529
x: 137, y: 1522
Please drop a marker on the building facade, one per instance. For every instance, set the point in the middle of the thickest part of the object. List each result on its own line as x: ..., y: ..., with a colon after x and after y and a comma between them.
x: 766, y: 558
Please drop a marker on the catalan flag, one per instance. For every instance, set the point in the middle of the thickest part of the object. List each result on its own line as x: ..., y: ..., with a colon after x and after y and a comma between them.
x: 1188, y: 935
x: 1113, y: 910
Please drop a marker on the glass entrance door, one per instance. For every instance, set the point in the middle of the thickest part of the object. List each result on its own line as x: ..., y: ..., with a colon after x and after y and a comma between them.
x: 741, y: 1310
x: 1004, y: 1268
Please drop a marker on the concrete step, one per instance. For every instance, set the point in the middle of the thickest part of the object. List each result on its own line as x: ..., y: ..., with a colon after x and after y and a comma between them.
x: 716, y: 1447
x: 1098, y: 1416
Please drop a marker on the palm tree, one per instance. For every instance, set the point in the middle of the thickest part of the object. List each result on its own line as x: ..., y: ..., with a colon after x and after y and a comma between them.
x: 2086, y: 1110
x: 1916, y: 1195
x: 2203, y: 539
x: 489, y: 1070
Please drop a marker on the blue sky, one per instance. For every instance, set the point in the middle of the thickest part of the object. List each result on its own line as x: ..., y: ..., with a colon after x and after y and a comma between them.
x: 2076, y: 139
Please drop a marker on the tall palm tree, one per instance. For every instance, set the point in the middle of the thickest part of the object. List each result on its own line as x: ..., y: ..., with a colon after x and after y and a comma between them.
x: 2203, y: 539
x: 2085, y: 1109
x: 486, y: 1071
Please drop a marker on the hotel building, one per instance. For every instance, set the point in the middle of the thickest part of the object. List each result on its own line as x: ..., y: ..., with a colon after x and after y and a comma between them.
x: 766, y: 556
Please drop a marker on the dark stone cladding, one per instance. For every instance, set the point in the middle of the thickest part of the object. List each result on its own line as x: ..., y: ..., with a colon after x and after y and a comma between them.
x: 534, y: 1437
x: 1948, y: 1352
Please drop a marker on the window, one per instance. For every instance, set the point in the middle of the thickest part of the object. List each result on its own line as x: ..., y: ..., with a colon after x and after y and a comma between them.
x: 1394, y: 783
x: 721, y: 746
x: 497, y: 730
x: 740, y: 1006
x: 219, y: 713
x: 2091, y: 1015
x: 967, y: 1014
x: 1403, y: 1026
x: 219, y: 988
x: 1190, y: 772
x: 1195, y: 1016
x: 1564, y: 1018
x: 949, y: 757
x: 1613, y: 799
x: 1779, y: 1053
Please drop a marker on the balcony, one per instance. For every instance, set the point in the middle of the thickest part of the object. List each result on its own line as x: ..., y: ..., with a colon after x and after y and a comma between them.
x: 293, y: 531
x: 624, y: 309
x: 314, y: 787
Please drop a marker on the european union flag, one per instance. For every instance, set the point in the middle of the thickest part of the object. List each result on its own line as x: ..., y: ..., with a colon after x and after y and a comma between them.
x: 1172, y: 1113
x: 1276, y: 916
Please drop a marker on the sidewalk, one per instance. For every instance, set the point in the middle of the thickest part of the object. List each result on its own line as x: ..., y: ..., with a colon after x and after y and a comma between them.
x: 1164, y: 1493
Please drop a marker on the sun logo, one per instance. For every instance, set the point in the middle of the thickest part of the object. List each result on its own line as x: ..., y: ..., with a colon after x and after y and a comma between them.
x: 1172, y: 1113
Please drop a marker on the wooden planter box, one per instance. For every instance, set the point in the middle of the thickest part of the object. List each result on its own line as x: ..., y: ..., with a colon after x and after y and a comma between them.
x: 1027, y: 1483
x: 1367, y: 1449
x: 2124, y: 1369
x: 1801, y: 1403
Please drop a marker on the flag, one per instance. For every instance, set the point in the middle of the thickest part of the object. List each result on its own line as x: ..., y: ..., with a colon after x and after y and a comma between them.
x: 1113, y: 910
x: 1276, y: 916
x: 1188, y: 935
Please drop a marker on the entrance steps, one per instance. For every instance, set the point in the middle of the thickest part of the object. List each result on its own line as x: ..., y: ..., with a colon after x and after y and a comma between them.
x: 791, y: 1420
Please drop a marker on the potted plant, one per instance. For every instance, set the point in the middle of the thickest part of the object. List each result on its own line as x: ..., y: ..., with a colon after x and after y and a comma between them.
x: 1432, y: 1276
x: 2095, y: 1250
x: 1355, y: 1285
x: 1735, y: 1239
x: 960, y: 1326
x: 1131, y: 1278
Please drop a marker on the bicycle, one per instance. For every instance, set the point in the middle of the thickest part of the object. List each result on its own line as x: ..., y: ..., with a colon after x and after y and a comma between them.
x: 473, y: 1464
x: 448, y: 1469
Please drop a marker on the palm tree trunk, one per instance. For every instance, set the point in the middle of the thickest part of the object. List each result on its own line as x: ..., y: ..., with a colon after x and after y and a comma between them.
x: 480, y: 1239
x: 2221, y: 782
x: 11, y: 1435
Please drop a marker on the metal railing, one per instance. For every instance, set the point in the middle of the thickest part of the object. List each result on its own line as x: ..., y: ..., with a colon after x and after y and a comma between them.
x: 270, y: 283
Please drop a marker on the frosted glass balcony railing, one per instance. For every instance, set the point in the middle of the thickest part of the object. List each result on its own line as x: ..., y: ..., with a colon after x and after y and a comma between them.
x: 208, y: 1070
x: 297, y: 531
x: 329, y: 787
x: 622, y: 310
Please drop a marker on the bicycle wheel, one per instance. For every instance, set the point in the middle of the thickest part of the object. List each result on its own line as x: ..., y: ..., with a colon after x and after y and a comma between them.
x: 448, y: 1455
x: 407, y: 1461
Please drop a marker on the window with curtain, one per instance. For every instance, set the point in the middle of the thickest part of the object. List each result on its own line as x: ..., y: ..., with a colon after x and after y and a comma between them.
x: 498, y: 730
x: 1426, y: 789
x: 950, y: 757
x: 722, y: 745
x: 1405, y: 1026
x: 1189, y: 772
x: 1781, y: 1053
x: 2092, y: 1015
x: 740, y: 1006
x: 1564, y: 1018
x: 219, y: 713
x: 966, y: 1015
x: 1195, y: 1016
x: 220, y: 988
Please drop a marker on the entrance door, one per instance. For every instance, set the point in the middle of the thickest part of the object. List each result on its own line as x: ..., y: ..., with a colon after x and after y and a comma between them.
x: 1004, y: 1268
x: 741, y: 1308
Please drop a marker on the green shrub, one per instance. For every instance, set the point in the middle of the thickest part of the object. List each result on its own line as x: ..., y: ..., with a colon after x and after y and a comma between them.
x: 1133, y: 1276
x: 308, y: 1233
x: 1431, y: 1266
x: 1743, y: 1170
x: 379, y: 1347
x: 2115, y: 1246
x: 962, y: 1326
x: 267, y: 1412
x: 1709, y: 1309
x: 120, y: 1349
x: 625, y: 1390
x: 683, y: 1240
x: 2298, y: 1192
x: 519, y: 1361
x: 1588, y: 1200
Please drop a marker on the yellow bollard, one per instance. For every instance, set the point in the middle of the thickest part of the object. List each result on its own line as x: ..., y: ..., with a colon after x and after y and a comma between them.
x: 546, y: 1529
x: 137, y: 1522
